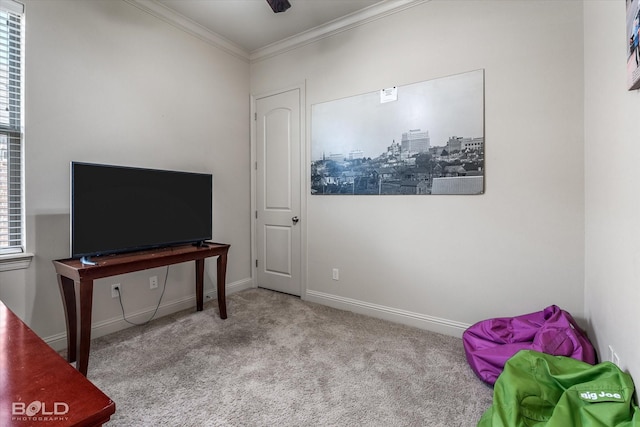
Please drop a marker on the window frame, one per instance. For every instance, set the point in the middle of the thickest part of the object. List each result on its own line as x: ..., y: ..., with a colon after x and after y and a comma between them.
x: 13, y: 255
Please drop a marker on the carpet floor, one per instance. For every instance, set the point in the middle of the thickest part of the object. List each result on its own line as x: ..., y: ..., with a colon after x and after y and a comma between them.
x: 280, y: 361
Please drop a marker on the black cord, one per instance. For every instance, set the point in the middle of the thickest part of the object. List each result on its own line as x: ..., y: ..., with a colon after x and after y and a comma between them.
x: 164, y: 287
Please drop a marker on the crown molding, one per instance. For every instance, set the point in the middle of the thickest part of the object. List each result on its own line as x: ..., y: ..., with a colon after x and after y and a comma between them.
x: 364, y: 16
x: 179, y: 21
x: 345, y: 23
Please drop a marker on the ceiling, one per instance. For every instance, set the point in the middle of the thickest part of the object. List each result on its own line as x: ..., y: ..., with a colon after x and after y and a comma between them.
x: 249, y: 26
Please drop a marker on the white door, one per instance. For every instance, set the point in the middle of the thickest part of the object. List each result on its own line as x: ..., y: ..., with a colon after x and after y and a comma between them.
x: 278, y: 221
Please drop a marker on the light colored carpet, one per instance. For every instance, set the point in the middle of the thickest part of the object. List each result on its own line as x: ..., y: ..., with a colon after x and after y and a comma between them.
x: 280, y: 361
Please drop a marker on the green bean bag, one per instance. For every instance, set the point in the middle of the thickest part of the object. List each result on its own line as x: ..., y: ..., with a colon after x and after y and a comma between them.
x: 540, y: 390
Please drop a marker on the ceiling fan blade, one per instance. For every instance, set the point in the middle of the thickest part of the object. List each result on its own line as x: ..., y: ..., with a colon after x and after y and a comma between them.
x: 279, y: 5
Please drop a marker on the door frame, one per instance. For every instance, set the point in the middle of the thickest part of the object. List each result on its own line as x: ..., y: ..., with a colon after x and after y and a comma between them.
x: 304, y: 182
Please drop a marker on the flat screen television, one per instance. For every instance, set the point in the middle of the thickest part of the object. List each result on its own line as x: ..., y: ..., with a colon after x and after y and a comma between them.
x: 117, y: 209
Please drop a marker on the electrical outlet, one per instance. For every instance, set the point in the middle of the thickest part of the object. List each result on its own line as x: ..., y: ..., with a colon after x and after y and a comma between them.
x: 336, y: 274
x: 115, y: 290
x: 153, y: 282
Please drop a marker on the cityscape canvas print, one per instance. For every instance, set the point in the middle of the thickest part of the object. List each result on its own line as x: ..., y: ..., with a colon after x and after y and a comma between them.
x: 419, y: 139
x: 633, y: 50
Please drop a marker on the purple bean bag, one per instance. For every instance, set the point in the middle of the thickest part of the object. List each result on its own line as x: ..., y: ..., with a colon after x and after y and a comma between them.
x: 490, y: 343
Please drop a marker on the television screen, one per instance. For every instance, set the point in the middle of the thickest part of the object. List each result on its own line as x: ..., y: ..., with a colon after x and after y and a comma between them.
x: 120, y: 209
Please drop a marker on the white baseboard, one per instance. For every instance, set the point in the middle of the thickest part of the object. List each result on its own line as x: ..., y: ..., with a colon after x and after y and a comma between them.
x: 59, y: 341
x: 422, y: 321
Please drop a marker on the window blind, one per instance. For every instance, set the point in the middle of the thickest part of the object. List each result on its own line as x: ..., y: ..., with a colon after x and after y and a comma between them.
x: 11, y: 176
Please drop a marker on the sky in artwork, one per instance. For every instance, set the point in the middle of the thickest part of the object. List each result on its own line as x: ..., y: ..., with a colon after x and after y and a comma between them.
x: 445, y: 107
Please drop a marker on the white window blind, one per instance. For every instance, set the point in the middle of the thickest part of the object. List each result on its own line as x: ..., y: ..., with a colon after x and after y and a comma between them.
x: 11, y: 177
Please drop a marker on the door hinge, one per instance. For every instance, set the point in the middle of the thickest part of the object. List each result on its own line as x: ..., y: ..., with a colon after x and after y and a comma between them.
x: 256, y: 165
x: 256, y: 263
x: 255, y: 116
x: 256, y: 214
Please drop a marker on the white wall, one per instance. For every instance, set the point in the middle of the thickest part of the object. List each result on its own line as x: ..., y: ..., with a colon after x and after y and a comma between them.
x: 109, y: 83
x: 447, y: 261
x: 612, y: 134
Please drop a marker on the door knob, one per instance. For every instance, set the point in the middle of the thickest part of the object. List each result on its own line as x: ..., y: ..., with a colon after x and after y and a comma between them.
x: 295, y: 219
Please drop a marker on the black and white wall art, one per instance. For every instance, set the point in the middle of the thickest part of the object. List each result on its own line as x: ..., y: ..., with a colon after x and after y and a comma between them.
x: 633, y: 50
x: 419, y: 139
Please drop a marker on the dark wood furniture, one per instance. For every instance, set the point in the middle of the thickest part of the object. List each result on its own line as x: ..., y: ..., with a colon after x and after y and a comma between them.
x: 38, y: 387
x: 76, y: 279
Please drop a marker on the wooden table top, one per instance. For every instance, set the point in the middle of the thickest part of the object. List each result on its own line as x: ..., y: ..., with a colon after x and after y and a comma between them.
x: 38, y: 387
x: 111, y: 265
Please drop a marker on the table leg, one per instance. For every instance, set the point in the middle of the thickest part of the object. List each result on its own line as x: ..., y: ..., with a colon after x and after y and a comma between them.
x: 67, y: 290
x: 86, y: 302
x: 200, y: 284
x: 221, y: 279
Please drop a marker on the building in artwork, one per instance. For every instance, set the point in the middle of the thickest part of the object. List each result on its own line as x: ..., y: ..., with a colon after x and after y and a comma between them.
x: 415, y: 141
x: 394, y: 149
x: 456, y: 143
x: 356, y: 154
x: 458, y: 185
x: 473, y: 144
x: 336, y: 157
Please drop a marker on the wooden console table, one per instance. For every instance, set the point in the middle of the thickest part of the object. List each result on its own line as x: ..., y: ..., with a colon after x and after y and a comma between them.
x: 75, y: 278
x: 38, y: 387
